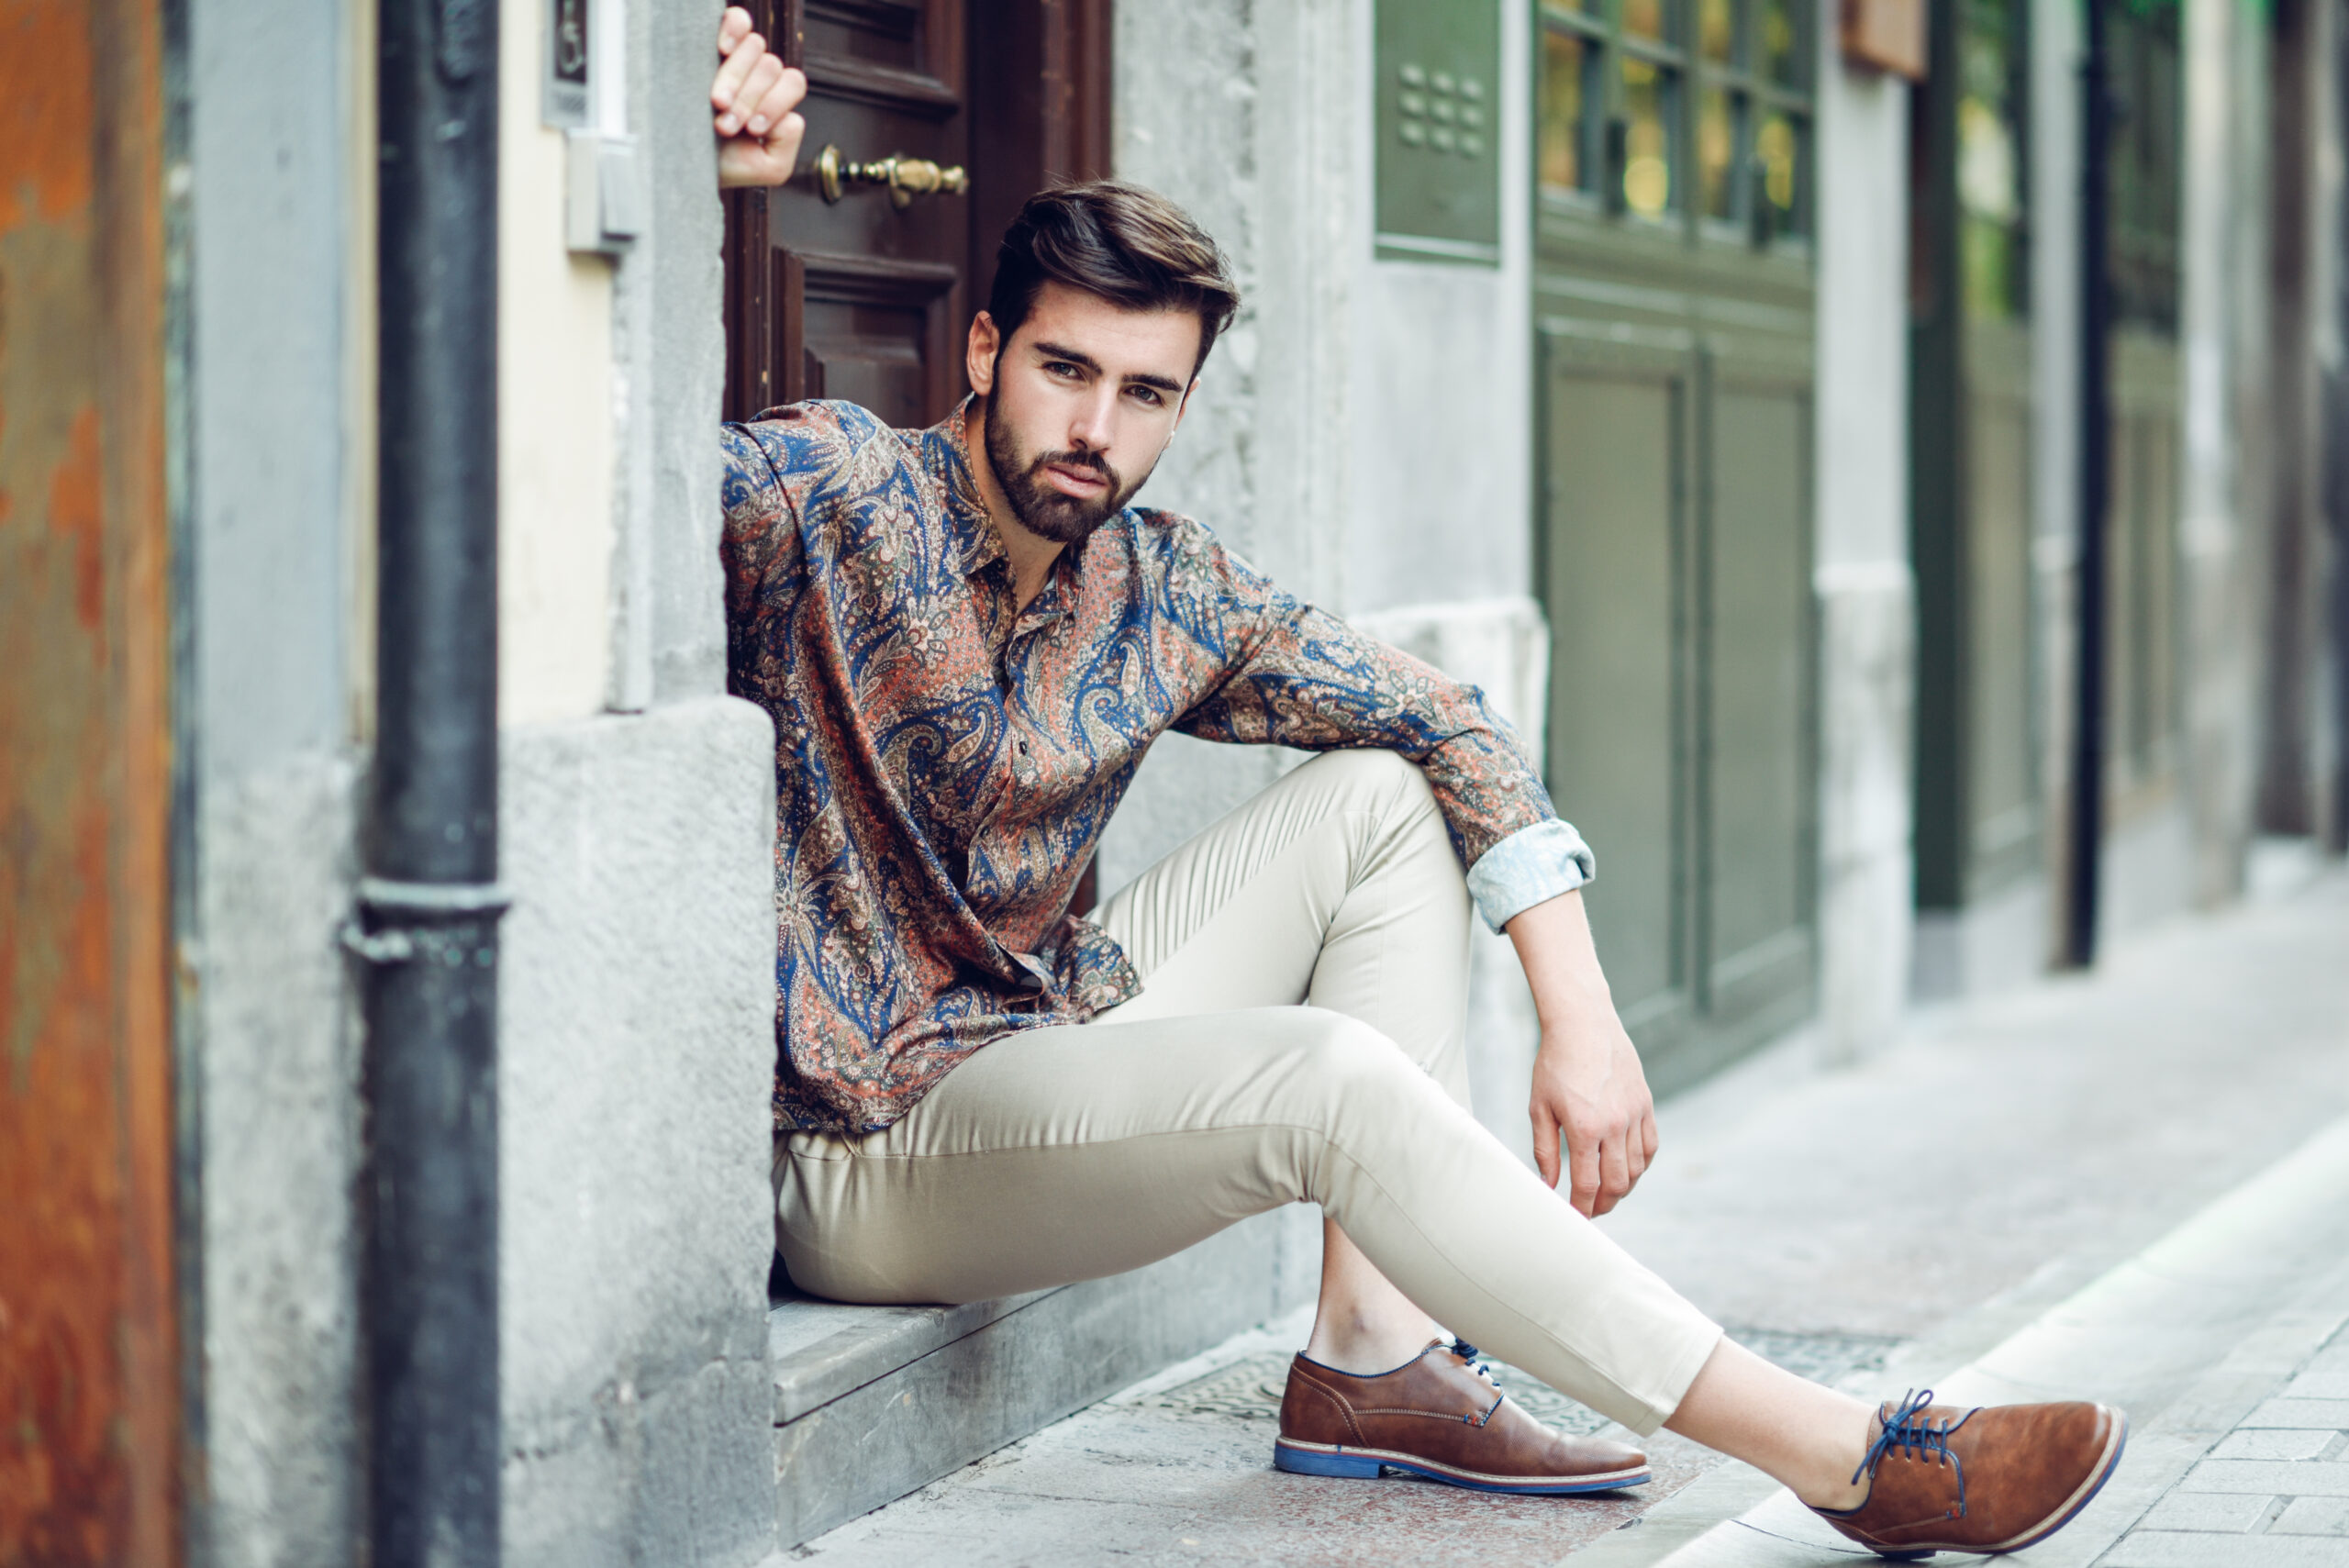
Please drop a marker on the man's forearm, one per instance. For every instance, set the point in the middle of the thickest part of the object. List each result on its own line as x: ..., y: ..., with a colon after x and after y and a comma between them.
x: 1553, y: 942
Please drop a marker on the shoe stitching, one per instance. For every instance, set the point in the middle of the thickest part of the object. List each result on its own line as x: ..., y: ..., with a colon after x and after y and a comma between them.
x: 1345, y: 1409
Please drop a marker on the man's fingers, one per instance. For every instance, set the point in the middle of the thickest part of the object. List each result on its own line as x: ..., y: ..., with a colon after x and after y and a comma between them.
x: 755, y: 93
x: 783, y: 145
x: 1545, y: 1143
x: 1614, y: 1173
x: 730, y: 77
x: 762, y: 81
x: 1650, y: 1138
x: 782, y: 96
x: 732, y: 28
x: 1585, y: 1192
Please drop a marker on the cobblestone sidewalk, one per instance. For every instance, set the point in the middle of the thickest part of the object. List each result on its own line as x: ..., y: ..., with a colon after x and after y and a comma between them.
x: 2273, y: 1494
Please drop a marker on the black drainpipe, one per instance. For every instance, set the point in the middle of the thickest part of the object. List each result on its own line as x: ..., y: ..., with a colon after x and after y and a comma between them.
x: 2336, y: 821
x: 2095, y: 452
x: 430, y: 901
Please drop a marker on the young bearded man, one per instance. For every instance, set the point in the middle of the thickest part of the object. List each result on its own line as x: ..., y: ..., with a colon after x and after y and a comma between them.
x: 967, y: 638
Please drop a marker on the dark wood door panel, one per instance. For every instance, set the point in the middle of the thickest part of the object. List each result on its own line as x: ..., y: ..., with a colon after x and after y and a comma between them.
x: 879, y: 334
x: 903, y: 56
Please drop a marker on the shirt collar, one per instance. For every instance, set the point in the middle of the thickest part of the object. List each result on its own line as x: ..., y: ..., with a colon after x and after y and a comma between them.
x: 947, y: 451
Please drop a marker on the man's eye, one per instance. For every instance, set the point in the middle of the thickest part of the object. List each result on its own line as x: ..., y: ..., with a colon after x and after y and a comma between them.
x: 1148, y: 394
x: 1061, y: 368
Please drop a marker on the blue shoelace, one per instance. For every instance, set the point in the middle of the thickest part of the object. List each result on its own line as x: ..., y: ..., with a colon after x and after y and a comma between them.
x: 1907, y: 1431
x: 1469, y: 1353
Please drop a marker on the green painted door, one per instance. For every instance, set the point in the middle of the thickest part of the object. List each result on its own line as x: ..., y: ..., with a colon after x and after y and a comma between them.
x: 1673, y: 308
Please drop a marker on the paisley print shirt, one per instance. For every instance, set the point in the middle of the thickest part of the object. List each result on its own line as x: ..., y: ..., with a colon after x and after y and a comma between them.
x: 945, y: 761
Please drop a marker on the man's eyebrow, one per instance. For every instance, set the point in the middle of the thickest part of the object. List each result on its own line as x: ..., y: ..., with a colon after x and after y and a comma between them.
x: 1076, y: 357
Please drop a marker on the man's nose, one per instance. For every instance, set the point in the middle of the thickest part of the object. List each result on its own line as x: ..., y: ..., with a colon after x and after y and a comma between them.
x: 1092, y: 424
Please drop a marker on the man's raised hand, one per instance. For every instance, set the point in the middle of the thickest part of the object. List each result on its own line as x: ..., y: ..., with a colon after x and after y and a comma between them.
x: 753, y: 106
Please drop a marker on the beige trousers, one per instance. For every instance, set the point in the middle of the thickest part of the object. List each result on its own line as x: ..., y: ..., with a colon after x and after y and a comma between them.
x: 1079, y: 1150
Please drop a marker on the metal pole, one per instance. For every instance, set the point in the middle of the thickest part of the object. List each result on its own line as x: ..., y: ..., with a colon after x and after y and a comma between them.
x: 429, y: 902
x: 2095, y: 449
x: 2335, y: 821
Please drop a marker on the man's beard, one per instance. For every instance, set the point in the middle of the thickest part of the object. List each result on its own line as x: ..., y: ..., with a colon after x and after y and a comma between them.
x: 1043, y: 510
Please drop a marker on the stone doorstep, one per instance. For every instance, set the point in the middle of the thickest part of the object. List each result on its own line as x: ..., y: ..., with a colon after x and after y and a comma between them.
x: 875, y: 1402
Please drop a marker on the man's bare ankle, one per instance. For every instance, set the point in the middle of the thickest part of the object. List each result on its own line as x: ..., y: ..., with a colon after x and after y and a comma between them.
x: 1366, y: 1349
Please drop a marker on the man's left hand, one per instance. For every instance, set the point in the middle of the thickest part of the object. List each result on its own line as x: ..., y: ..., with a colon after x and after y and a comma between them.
x: 1594, y: 1120
x: 752, y: 105
x: 1591, y: 1095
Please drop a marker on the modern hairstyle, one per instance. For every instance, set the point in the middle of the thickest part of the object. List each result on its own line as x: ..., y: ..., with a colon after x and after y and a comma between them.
x: 1124, y: 243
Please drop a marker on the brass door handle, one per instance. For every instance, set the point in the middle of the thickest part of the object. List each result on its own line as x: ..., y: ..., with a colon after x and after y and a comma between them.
x: 905, y: 178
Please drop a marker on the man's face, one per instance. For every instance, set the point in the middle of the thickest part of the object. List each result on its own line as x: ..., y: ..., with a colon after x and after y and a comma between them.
x: 1080, y: 404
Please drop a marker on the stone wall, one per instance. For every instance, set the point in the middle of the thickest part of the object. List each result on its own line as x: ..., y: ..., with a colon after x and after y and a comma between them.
x: 636, y: 1046
x: 279, y: 491
x: 1866, y: 594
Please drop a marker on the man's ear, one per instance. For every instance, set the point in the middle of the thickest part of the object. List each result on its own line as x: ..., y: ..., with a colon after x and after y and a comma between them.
x: 978, y: 354
x: 1183, y: 408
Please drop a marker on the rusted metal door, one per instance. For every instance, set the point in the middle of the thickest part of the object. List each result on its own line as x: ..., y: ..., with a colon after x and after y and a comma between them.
x: 89, y: 1408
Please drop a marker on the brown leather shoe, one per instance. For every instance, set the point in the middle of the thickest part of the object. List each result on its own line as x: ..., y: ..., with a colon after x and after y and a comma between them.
x: 1438, y: 1414
x: 1985, y: 1480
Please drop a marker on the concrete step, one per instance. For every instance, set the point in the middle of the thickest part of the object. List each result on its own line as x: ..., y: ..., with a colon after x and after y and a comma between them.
x: 875, y: 1402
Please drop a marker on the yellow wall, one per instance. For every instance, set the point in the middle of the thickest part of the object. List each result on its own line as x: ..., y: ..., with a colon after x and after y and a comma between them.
x: 555, y: 416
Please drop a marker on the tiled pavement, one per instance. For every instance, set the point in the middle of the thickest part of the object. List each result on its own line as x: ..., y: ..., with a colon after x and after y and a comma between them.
x: 2273, y: 1494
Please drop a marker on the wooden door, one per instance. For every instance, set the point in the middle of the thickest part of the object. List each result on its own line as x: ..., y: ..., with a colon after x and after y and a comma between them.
x: 864, y: 292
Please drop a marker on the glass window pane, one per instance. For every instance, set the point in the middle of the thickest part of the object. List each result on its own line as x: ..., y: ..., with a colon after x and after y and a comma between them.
x: 1716, y: 29
x: 1778, y: 148
x: 1564, y: 57
x: 1781, y: 58
x: 1717, y: 115
x: 1647, y: 141
x: 1644, y: 18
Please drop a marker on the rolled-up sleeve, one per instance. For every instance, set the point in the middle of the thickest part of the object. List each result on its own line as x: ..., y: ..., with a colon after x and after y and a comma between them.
x: 1530, y: 866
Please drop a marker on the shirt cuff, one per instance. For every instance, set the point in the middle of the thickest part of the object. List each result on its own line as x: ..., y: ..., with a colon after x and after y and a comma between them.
x: 1530, y: 866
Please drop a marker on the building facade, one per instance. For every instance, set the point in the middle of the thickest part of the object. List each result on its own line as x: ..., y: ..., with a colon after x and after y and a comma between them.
x: 1681, y: 371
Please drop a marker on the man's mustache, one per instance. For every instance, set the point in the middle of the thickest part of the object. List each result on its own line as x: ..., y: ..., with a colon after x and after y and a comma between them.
x: 1075, y: 460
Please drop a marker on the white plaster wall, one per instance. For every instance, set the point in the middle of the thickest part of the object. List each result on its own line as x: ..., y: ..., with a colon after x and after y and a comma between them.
x: 1866, y: 596
x: 2227, y: 494
x: 555, y: 414
x: 2056, y: 427
x: 1443, y: 383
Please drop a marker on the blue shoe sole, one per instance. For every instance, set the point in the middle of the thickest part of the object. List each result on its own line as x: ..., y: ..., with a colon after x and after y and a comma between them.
x: 1368, y: 1467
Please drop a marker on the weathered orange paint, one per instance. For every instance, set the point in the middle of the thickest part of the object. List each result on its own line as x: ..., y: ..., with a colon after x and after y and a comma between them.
x: 45, y: 119
x: 90, y: 1449
x: 77, y: 513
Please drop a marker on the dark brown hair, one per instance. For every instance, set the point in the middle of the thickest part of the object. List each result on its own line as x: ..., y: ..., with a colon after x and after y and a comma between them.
x: 1124, y: 243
